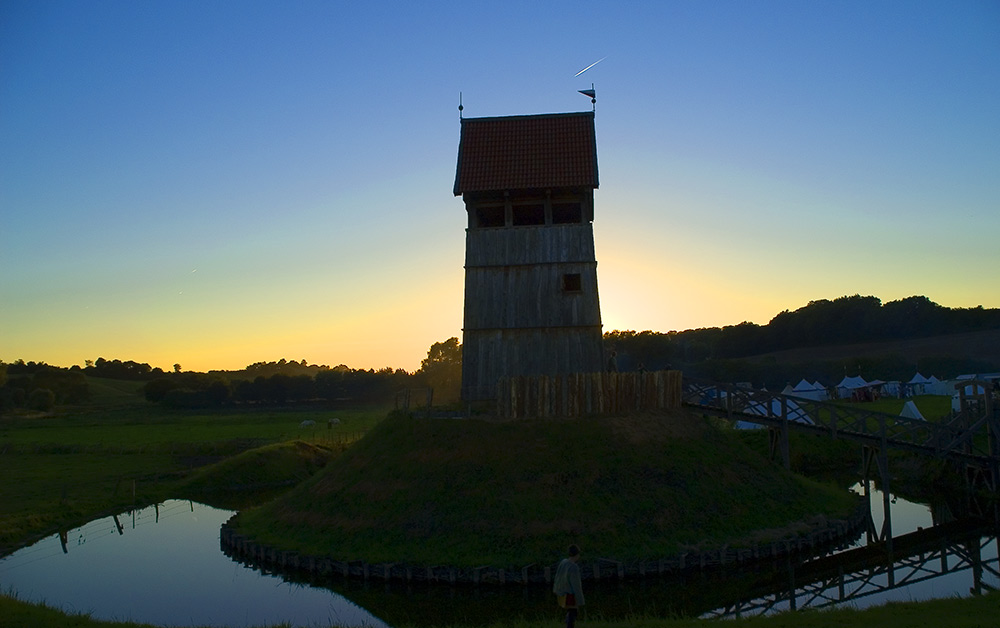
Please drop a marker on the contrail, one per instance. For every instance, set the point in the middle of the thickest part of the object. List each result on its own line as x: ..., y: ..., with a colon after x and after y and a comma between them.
x: 589, y: 66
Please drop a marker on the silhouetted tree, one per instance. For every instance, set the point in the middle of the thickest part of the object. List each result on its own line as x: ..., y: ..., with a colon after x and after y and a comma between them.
x: 41, y: 399
x: 442, y: 370
x: 155, y: 390
x: 66, y: 385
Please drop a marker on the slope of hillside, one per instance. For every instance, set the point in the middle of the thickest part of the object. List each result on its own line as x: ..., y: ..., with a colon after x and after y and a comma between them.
x: 978, y: 345
x: 471, y: 492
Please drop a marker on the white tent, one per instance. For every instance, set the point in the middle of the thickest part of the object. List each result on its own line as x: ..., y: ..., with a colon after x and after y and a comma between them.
x: 848, y: 385
x: 851, y: 383
x: 910, y: 411
x: 893, y: 389
x: 935, y: 386
x: 918, y: 379
x: 917, y: 384
x: 807, y: 390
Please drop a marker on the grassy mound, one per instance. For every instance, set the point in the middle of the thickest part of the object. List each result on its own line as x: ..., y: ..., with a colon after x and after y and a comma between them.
x: 472, y: 492
x: 114, y: 392
x: 258, y: 470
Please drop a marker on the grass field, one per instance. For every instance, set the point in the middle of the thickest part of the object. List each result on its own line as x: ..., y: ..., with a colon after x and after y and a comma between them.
x: 120, y: 450
x: 67, y: 468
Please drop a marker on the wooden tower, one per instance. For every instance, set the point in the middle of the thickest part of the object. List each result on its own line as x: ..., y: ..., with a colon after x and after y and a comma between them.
x: 531, y: 303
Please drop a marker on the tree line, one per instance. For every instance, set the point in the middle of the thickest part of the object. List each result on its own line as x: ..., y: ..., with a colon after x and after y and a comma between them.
x: 846, y: 320
x: 720, y: 353
x: 717, y: 352
x: 282, y: 382
x: 39, y: 386
x: 191, y: 390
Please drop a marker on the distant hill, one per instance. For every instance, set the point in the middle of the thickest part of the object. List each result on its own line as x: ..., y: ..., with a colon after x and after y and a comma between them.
x: 977, y: 345
x: 825, y: 340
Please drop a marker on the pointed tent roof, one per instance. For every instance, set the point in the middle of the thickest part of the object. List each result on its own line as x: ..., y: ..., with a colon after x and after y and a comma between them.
x: 918, y: 379
x: 804, y: 385
x: 852, y: 382
x: 527, y: 152
x: 910, y: 411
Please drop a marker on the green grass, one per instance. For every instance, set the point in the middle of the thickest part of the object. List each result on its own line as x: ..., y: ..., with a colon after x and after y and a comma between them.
x: 17, y: 614
x: 147, y: 428
x: 114, y: 392
x: 81, y: 463
x: 975, y: 612
x: 472, y: 492
x: 934, y: 407
x: 251, y: 476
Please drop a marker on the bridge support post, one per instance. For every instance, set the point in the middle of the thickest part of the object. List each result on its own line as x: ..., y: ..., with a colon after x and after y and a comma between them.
x: 786, y: 457
x: 993, y: 449
x: 778, y: 442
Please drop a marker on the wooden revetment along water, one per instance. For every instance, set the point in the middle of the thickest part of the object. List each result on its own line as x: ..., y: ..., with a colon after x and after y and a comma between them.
x: 831, y: 534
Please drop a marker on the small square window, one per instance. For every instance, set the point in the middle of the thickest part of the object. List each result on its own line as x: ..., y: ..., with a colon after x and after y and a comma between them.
x: 571, y: 282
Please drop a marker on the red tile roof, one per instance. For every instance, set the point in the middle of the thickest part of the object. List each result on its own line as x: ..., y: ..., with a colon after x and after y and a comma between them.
x: 527, y: 152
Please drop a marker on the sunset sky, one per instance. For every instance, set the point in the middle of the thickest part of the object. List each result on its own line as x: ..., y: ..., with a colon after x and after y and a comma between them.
x: 221, y: 183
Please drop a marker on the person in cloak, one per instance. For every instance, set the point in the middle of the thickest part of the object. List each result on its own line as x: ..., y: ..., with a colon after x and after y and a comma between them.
x: 567, y: 587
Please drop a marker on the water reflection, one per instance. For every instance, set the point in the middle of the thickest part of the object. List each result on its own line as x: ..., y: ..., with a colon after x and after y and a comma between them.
x: 162, y: 565
x: 931, y: 555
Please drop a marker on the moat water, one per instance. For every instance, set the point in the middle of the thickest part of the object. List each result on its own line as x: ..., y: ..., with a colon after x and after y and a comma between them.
x: 163, y: 565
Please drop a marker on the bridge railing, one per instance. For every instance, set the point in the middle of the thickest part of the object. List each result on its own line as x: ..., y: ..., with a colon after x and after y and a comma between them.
x: 855, y: 574
x: 951, y: 439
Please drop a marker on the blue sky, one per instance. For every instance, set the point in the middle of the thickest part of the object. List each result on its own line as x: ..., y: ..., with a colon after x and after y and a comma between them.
x: 222, y: 183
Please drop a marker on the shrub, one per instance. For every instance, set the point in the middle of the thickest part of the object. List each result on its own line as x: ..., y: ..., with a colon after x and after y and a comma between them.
x: 157, y: 389
x: 41, y: 399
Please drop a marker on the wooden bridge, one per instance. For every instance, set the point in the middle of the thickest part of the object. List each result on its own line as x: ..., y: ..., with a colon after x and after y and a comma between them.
x: 970, y: 438
x: 866, y: 571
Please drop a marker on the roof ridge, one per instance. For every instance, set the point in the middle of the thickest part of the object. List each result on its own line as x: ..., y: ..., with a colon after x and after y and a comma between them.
x: 533, y: 115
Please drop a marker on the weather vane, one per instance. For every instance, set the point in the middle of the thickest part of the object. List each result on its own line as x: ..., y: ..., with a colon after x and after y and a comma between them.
x: 590, y: 92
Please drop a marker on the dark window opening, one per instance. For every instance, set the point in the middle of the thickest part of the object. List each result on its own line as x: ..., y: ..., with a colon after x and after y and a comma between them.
x: 489, y: 216
x: 572, y: 283
x: 529, y: 215
x: 567, y: 213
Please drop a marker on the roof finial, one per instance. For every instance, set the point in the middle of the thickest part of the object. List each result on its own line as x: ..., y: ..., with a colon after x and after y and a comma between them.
x: 460, y: 107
